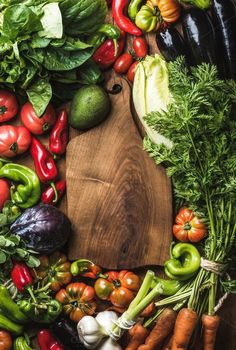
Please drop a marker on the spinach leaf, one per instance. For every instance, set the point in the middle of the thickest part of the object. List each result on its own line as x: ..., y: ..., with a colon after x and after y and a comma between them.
x: 59, y: 60
x: 19, y: 20
x: 40, y: 94
x: 89, y: 73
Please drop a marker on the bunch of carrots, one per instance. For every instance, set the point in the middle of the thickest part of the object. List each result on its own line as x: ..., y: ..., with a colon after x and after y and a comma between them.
x: 173, y: 331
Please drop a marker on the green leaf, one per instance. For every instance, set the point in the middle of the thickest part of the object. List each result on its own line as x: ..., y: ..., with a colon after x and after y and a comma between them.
x: 51, y: 22
x: 3, y: 220
x: 59, y: 60
x: 32, y: 261
x: 22, y: 253
x: 3, y: 257
x: 40, y: 94
x: 19, y: 20
x: 89, y: 73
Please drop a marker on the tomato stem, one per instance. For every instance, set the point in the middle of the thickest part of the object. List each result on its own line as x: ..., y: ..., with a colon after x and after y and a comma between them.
x: 3, y: 109
x: 14, y: 147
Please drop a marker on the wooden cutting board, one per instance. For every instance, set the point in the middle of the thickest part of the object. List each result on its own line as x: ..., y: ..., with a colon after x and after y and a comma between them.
x: 119, y: 201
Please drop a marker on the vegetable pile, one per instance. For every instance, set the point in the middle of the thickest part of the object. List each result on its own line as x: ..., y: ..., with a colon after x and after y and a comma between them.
x: 185, y: 99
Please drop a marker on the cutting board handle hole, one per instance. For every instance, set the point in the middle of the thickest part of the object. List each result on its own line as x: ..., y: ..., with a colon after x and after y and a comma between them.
x: 116, y: 89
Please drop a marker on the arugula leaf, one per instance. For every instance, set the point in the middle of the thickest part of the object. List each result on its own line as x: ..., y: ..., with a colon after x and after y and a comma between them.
x: 40, y: 94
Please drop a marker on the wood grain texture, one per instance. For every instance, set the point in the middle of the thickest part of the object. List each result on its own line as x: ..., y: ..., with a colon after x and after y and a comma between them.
x: 119, y: 201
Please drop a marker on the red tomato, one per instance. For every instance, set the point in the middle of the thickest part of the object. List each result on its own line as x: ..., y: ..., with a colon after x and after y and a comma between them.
x: 119, y: 287
x: 4, y: 192
x: 123, y: 63
x: 14, y: 140
x: 140, y: 47
x: 8, y: 105
x: 188, y: 227
x: 37, y: 125
x: 131, y: 71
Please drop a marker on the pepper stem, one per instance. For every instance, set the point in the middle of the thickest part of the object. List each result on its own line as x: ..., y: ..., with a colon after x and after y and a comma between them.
x: 115, y: 47
x: 55, y: 200
x: 29, y: 289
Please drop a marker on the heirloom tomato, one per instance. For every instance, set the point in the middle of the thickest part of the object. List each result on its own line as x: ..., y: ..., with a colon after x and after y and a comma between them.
x: 119, y: 287
x: 77, y: 300
x: 188, y: 227
x: 53, y: 269
x: 4, y: 192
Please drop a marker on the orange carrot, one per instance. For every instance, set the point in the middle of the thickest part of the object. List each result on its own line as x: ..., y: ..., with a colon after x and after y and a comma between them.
x: 184, y: 327
x: 167, y: 344
x: 138, y: 334
x: 161, y: 330
x: 149, y: 310
x: 210, y: 326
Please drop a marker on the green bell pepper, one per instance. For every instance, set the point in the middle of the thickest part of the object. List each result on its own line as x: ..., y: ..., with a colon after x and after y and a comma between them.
x: 134, y: 7
x: 147, y: 19
x: 46, y: 313
x: 28, y: 191
x: 22, y: 343
x: 10, y: 326
x: 111, y: 31
x: 9, y: 308
x: 184, y: 262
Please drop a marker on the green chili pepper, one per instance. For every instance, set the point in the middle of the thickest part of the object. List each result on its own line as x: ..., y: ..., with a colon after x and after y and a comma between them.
x: 112, y: 32
x: 169, y: 287
x: 22, y: 343
x: 10, y: 326
x: 134, y: 7
x: 184, y: 262
x: 28, y: 192
x: 10, y: 308
x: 96, y: 40
x: 45, y: 313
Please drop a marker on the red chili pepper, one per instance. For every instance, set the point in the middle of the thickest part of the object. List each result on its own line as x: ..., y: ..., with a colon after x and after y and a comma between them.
x: 46, y: 341
x: 45, y: 166
x: 59, y: 136
x: 123, y: 22
x: 21, y: 276
x: 48, y: 195
x: 105, y: 56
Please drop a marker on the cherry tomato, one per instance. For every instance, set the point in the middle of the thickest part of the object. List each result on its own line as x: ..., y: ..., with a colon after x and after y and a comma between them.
x: 37, y: 125
x: 123, y: 63
x: 140, y: 47
x: 14, y: 140
x: 131, y: 71
x: 8, y: 105
x: 4, y: 192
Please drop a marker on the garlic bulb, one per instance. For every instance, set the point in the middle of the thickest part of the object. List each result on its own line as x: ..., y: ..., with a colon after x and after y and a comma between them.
x: 92, y: 330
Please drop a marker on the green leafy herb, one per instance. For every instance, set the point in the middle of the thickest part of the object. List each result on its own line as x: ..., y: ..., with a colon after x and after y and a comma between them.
x: 202, y: 162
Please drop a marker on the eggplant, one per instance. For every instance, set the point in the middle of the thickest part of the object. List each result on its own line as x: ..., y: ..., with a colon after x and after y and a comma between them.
x: 200, y: 37
x: 224, y: 20
x: 43, y: 228
x: 65, y: 331
x: 171, y: 44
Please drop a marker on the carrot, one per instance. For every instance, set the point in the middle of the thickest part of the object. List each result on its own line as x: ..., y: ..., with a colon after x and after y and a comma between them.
x: 167, y: 344
x: 210, y: 326
x: 149, y: 310
x: 184, y: 327
x: 161, y: 330
x: 138, y: 334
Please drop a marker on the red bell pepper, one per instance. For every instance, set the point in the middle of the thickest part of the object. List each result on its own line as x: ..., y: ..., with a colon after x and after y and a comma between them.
x: 123, y: 22
x: 48, y: 195
x: 59, y: 136
x: 105, y: 56
x: 46, y: 341
x: 45, y: 166
x: 21, y: 276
